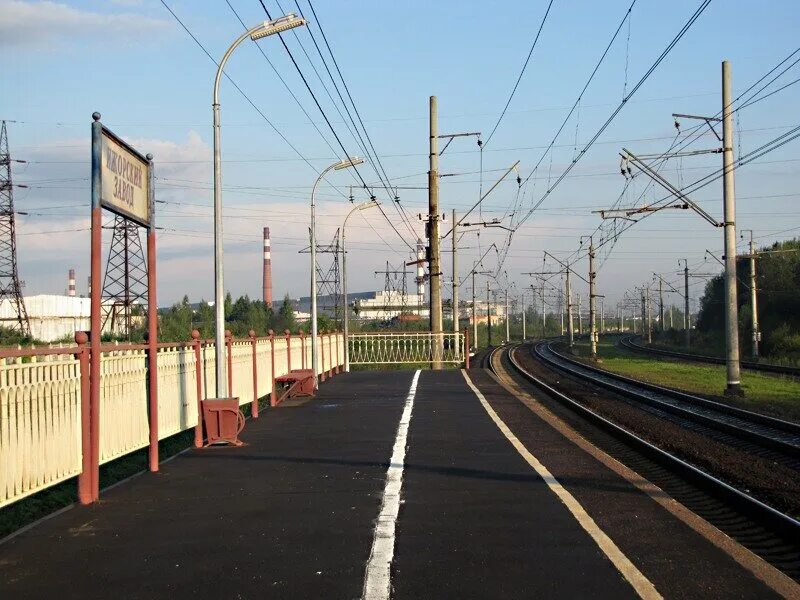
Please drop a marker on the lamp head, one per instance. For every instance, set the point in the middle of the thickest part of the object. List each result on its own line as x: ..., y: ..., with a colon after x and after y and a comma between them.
x: 290, y: 21
x: 348, y: 162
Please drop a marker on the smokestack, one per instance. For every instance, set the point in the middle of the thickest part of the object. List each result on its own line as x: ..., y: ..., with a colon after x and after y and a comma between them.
x: 71, y: 286
x: 267, y: 283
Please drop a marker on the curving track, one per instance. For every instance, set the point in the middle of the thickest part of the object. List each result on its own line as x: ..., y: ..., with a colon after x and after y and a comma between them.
x: 628, y: 343
x: 772, y: 437
x: 771, y: 534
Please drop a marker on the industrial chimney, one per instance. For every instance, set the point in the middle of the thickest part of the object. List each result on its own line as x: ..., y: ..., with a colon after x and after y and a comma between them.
x: 71, y: 285
x: 267, y: 284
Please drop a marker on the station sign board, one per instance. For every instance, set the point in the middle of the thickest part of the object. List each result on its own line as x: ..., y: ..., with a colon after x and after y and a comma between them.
x: 124, y: 180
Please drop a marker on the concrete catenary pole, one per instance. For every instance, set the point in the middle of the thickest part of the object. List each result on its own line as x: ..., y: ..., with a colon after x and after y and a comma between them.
x: 592, y: 297
x: 580, y: 317
x: 474, y: 312
x: 621, y: 315
x: 454, y: 233
x: 602, y: 316
x: 433, y: 226
x: 508, y: 320
x: 643, y: 312
x: 661, y: 304
x: 570, y: 327
x: 544, y: 313
x: 488, y: 317
x: 687, y: 325
x: 731, y: 308
x: 524, y: 328
x: 754, y: 299
x: 649, y: 317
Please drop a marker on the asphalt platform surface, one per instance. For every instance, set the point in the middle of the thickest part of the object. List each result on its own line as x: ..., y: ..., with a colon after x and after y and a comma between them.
x: 292, y: 513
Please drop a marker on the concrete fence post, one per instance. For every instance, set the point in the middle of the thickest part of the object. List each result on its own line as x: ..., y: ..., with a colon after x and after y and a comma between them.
x: 254, y: 407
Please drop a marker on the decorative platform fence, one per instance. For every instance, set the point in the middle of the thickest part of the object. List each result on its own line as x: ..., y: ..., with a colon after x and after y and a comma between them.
x: 407, y: 347
x: 45, y: 437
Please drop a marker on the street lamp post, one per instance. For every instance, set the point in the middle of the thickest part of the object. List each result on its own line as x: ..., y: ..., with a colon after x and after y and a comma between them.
x: 345, y: 163
x: 363, y: 206
x: 267, y: 28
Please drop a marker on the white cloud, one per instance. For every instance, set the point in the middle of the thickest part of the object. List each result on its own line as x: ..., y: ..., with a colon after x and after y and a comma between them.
x: 25, y: 23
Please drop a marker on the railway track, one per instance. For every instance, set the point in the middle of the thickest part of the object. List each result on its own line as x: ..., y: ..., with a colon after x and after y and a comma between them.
x: 769, y: 533
x: 628, y: 343
x: 774, y: 438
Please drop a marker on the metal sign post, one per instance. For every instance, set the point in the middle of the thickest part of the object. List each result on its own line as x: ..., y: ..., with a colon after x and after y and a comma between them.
x: 122, y: 182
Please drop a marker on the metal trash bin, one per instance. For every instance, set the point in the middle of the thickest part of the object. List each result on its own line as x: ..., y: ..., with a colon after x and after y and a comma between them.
x: 223, y: 420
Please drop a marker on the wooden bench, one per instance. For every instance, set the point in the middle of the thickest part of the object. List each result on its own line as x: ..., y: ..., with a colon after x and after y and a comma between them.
x: 296, y: 383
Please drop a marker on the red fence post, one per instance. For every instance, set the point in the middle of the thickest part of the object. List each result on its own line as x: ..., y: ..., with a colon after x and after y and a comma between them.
x: 254, y: 407
x: 288, y: 335
x: 273, y: 395
x: 85, y: 477
x: 198, y: 362
x: 152, y: 394
x: 152, y: 333
x: 229, y: 344
x: 322, y: 355
x: 302, y: 335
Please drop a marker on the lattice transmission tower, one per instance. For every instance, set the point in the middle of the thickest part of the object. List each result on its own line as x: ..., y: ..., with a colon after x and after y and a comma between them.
x: 329, y: 282
x: 10, y: 284
x: 125, y: 280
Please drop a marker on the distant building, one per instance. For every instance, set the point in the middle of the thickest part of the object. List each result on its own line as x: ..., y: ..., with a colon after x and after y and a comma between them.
x: 388, y: 305
x: 52, y: 317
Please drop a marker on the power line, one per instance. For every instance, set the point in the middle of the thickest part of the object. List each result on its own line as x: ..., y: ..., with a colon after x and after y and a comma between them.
x: 521, y: 73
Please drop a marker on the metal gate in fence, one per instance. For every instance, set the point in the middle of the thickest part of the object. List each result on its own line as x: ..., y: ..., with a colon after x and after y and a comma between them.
x: 405, y: 348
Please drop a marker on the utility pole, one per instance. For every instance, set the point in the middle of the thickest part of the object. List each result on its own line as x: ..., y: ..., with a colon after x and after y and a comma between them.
x: 731, y: 308
x: 592, y: 297
x: 570, y: 328
x: 643, y: 312
x: 544, y: 314
x: 687, y: 325
x: 454, y: 233
x: 474, y: 313
x: 756, y: 334
x: 602, y: 315
x: 649, y: 318
x: 661, y: 304
x: 524, y: 331
x: 488, y: 317
x: 433, y: 239
x: 561, y: 310
x: 580, y: 317
x: 508, y: 320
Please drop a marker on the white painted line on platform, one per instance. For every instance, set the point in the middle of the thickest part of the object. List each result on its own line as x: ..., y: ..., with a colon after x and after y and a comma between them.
x: 378, y: 578
x: 638, y: 581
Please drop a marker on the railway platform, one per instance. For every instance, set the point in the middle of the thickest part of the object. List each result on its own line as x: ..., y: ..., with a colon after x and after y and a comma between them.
x: 402, y: 484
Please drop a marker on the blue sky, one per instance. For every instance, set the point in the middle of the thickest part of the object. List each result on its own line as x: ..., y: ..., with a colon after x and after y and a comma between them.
x: 130, y: 60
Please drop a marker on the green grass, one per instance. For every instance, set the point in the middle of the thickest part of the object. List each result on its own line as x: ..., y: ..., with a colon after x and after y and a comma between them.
x: 771, y: 394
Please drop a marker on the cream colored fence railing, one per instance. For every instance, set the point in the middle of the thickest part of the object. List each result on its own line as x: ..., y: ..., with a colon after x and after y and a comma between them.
x: 411, y: 347
x: 40, y: 401
x: 40, y: 436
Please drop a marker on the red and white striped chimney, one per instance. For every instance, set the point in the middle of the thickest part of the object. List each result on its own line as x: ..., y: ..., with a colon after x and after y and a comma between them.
x: 267, y: 283
x: 71, y: 286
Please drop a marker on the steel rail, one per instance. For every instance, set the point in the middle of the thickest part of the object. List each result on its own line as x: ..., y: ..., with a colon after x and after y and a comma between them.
x: 784, y: 525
